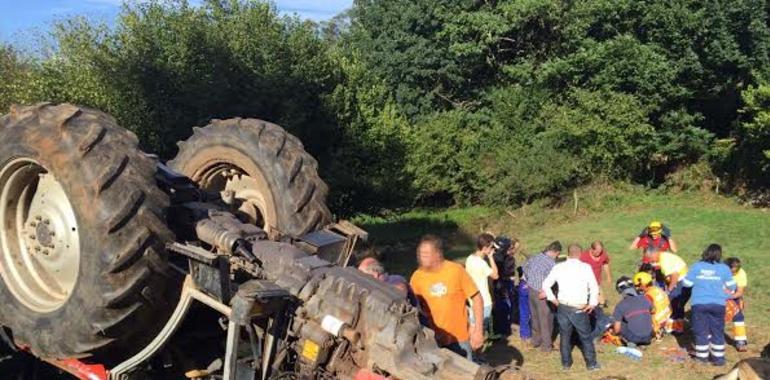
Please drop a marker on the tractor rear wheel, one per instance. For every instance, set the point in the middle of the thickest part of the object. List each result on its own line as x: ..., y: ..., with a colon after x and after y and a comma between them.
x: 82, y: 235
x: 273, y: 180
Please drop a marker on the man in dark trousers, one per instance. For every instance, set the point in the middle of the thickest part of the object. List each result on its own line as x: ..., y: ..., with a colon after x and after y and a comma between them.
x: 578, y: 296
x: 536, y: 270
x: 504, y: 287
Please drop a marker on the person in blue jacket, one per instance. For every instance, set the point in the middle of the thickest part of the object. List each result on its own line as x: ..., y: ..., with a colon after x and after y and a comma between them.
x: 709, y: 279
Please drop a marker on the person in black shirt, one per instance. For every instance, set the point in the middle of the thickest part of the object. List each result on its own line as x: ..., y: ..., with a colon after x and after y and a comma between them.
x: 503, y: 288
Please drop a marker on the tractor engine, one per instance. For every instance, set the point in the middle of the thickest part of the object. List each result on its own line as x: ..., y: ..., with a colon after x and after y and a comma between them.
x: 106, y: 255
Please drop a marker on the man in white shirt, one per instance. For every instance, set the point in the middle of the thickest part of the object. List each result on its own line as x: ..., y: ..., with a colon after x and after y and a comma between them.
x: 578, y: 295
x: 481, y: 271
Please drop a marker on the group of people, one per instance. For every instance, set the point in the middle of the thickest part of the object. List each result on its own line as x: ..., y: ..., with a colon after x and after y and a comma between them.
x: 466, y: 305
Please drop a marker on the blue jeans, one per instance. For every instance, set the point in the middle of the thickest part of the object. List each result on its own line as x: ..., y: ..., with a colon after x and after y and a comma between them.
x: 600, y: 322
x: 571, y: 320
x: 525, y: 332
x: 487, y: 317
x: 708, y: 325
x: 461, y: 348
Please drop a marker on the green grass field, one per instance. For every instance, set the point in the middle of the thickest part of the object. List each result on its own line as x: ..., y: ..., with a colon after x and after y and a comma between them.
x: 614, y: 215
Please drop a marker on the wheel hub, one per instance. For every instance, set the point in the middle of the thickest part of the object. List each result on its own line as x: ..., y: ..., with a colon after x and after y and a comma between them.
x: 44, y: 235
x: 250, y: 202
x: 39, y: 237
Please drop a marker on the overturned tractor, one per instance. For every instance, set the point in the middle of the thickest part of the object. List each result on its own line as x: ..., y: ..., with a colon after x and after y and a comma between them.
x: 223, y: 264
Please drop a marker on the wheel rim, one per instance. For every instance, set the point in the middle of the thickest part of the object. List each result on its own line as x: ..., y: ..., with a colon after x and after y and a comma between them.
x: 39, y: 238
x: 251, y: 203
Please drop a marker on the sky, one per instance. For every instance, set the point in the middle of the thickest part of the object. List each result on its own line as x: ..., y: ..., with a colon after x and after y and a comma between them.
x: 20, y: 19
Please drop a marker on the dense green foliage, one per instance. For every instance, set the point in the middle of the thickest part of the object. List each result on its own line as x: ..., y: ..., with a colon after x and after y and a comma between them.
x: 431, y: 102
x: 752, y: 157
x: 166, y: 67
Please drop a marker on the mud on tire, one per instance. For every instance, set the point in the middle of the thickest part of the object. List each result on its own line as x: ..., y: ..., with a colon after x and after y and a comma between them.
x: 283, y: 174
x: 124, y: 292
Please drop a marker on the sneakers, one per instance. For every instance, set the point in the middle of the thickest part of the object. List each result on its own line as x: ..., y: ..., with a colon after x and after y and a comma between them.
x: 594, y: 367
x: 741, y: 346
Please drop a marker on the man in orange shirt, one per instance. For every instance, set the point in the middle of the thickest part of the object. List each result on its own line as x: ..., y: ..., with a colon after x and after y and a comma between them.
x: 442, y: 287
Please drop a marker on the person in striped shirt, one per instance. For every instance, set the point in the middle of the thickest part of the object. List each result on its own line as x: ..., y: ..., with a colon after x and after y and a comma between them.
x: 536, y: 269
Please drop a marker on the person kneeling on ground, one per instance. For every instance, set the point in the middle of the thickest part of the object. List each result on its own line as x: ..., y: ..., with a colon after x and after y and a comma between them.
x: 661, y: 307
x: 633, y: 321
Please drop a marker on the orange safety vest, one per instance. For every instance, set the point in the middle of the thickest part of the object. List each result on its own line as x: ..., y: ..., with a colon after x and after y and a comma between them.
x: 661, y: 306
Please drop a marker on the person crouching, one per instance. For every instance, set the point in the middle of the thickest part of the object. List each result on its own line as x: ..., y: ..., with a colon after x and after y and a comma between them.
x: 661, y: 307
x: 633, y: 318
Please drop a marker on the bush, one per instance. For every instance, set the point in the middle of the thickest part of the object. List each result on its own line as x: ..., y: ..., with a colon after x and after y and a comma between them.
x: 443, y: 160
x: 519, y: 171
x: 750, y: 161
x: 408, y: 102
x: 608, y: 131
x: 366, y: 168
x: 168, y: 66
x: 696, y: 177
x: 13, y: 71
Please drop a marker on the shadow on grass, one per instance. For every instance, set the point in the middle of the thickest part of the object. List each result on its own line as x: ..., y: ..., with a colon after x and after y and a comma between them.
x: 502, y: 353
x: 394, y: 242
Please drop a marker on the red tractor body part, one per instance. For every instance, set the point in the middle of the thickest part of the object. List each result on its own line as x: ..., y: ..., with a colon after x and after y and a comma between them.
x: 80, y: 370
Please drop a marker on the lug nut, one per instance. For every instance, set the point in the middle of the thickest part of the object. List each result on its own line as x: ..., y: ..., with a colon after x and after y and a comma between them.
x: 38, y: 218
x: 32, y: 237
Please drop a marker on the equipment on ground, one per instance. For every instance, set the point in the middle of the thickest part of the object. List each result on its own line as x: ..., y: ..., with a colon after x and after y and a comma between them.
x: 225, y: 264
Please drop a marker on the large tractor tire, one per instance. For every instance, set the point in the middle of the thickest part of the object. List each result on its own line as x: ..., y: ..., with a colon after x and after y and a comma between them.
x: 82, y: 235
x: 273, y: 180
